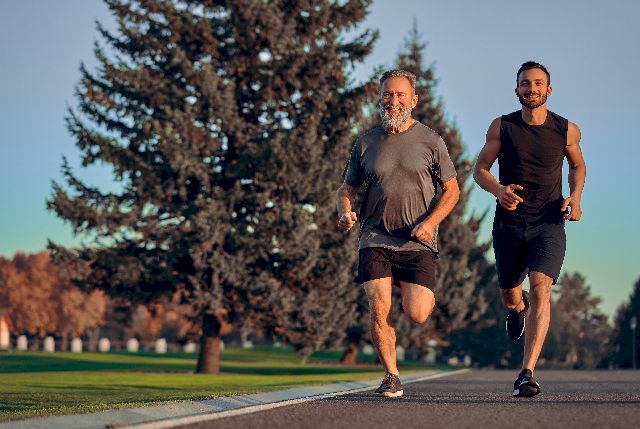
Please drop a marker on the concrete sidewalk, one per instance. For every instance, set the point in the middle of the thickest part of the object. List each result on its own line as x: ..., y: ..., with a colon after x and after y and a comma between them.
x: 179, y: 413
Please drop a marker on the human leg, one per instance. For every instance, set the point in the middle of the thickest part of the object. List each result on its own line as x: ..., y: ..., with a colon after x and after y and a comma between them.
x: 546, y: 249
x: 535, y: 334
x: 511, y: 263
x: 382, y: 332
x: 538, y: 318
x: 415, y: 272
x: 417, y: 301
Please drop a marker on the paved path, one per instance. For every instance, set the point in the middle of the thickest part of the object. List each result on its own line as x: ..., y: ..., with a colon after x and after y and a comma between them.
x: 176, y: 413
x: 476, y: 399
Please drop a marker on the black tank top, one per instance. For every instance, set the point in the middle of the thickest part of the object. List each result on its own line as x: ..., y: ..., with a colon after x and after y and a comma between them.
x: 532, y: 156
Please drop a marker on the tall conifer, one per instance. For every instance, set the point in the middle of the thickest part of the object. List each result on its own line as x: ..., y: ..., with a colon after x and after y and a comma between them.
x: 460, y: 300
x: 215, y: 117
x: 624, y: 337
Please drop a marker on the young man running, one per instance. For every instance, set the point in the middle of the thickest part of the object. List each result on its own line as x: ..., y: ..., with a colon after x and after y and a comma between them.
x: 400, y: 162
x: 528, y: 230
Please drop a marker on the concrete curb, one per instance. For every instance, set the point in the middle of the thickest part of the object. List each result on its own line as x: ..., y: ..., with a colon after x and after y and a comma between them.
x: 181, y: 413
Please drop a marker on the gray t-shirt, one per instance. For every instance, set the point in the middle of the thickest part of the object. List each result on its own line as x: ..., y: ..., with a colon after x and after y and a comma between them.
x: 401, y: 172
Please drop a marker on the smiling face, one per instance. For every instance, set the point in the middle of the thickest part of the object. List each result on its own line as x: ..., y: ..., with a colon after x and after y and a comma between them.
x: 397, y: 99
x: 533, y: 88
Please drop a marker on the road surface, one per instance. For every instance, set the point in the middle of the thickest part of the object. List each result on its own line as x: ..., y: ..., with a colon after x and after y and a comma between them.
x: 476, y: 399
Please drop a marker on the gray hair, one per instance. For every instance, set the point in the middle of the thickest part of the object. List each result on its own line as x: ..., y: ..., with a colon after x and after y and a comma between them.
x: 399, y: 73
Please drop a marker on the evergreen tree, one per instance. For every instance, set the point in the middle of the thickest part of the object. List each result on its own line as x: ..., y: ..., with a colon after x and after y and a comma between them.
x: 579, y: 333
x: 623, y: 334
x: 460, y: 299
x: 312, y: 297
x: 214, y: 116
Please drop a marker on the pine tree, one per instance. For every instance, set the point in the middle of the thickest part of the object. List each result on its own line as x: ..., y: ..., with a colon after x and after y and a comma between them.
x: 460, y: 300
x: 201, y: 112
x: 312, y: 297
x: 623, y: 335
x: 579, y: 333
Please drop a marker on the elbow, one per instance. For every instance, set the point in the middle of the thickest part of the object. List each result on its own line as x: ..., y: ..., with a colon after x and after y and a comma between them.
x: 453, y: 193
x: 579, y: 168
x: 476, y: 173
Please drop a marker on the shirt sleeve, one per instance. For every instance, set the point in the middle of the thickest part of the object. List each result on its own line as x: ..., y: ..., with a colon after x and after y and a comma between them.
x: 354, y: 173
x: 443, y: 168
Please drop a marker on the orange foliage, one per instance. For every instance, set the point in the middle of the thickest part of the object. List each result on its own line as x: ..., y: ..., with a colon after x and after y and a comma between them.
x: 39, y: 300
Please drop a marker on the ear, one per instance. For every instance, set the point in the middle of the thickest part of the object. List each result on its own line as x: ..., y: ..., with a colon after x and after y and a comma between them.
x: 414, y: 101
x: 549, y: 90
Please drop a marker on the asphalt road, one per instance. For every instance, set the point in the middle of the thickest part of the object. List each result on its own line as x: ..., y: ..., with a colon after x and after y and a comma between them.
x: 476, y: 399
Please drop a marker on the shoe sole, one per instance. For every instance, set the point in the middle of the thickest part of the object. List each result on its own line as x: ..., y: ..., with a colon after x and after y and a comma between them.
x: 392, y: 394
x: 525, y: 392
x: 506, y: 325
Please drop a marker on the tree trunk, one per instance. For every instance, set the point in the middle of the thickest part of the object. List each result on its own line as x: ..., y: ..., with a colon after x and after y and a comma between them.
x: 209, y: 355
x: 350, y: 354
x: 93, y: 336
x: 64, y: 341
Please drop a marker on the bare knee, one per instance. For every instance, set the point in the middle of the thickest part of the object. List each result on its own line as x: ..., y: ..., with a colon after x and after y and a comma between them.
x: 419, y: 314
x: 511, y: 297
x: 417, y: 317
x: 380, y: 318
x: 540, y: 297
x: 540, y: 290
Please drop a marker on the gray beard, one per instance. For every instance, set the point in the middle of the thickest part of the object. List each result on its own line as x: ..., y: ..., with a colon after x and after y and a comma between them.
x: 390, y: 123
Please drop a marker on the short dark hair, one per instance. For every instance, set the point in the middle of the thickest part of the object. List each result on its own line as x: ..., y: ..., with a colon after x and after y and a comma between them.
x: 532, y: 65
x: 399, y: 73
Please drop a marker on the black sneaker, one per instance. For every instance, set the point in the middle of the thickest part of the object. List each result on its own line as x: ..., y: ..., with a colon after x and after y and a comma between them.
x: 516, y: 320
x: 390, y: 386
x: 525, y: 386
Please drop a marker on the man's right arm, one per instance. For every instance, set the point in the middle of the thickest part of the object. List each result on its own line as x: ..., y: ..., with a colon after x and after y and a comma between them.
x: 482, y: 175
x: 345, y: 198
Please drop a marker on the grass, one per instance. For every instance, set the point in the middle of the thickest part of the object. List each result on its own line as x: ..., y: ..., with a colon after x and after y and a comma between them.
x: 38, y: 384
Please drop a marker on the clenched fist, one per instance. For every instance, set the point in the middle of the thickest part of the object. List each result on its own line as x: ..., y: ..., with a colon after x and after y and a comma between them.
x: 424, y: 232
x: 346, y: 221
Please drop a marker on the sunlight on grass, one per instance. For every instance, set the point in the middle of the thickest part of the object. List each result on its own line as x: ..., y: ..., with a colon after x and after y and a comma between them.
x: 37, y: 384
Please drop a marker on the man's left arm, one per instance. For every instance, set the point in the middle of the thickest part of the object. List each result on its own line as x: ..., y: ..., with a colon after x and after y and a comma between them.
x: 425, y: 230
x: 577, y: 173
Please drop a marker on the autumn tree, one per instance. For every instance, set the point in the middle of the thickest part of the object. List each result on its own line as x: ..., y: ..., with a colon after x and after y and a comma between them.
x: 39, y: 299
x: 213, y: 117
x: 26, y: 285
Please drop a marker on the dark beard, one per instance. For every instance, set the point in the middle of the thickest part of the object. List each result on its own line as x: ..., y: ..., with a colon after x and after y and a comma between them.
x: 533, y: 104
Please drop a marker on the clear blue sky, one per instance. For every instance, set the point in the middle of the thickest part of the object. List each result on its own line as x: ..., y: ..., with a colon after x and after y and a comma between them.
x: 590, y: 47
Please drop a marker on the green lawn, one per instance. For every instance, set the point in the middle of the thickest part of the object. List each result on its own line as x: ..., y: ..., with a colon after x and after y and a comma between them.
x: 36, y: 384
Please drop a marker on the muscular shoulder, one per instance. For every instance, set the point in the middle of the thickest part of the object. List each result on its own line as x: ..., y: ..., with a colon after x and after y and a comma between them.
x: 494, y: 129
x: 511, y: 118
x: 573, y: 134
x: 426, y: 135
x: 372, y: 134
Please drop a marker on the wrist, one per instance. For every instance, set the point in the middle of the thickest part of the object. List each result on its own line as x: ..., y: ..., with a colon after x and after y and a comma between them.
x: 496, y: 190
x: 429, y: 223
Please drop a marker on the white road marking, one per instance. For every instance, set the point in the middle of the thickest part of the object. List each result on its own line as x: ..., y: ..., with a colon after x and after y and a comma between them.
x: 170, y: 423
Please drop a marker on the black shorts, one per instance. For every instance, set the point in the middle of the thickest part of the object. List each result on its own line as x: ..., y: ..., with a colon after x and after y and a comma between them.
x: 522, y: 247
x: 411, y: 266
